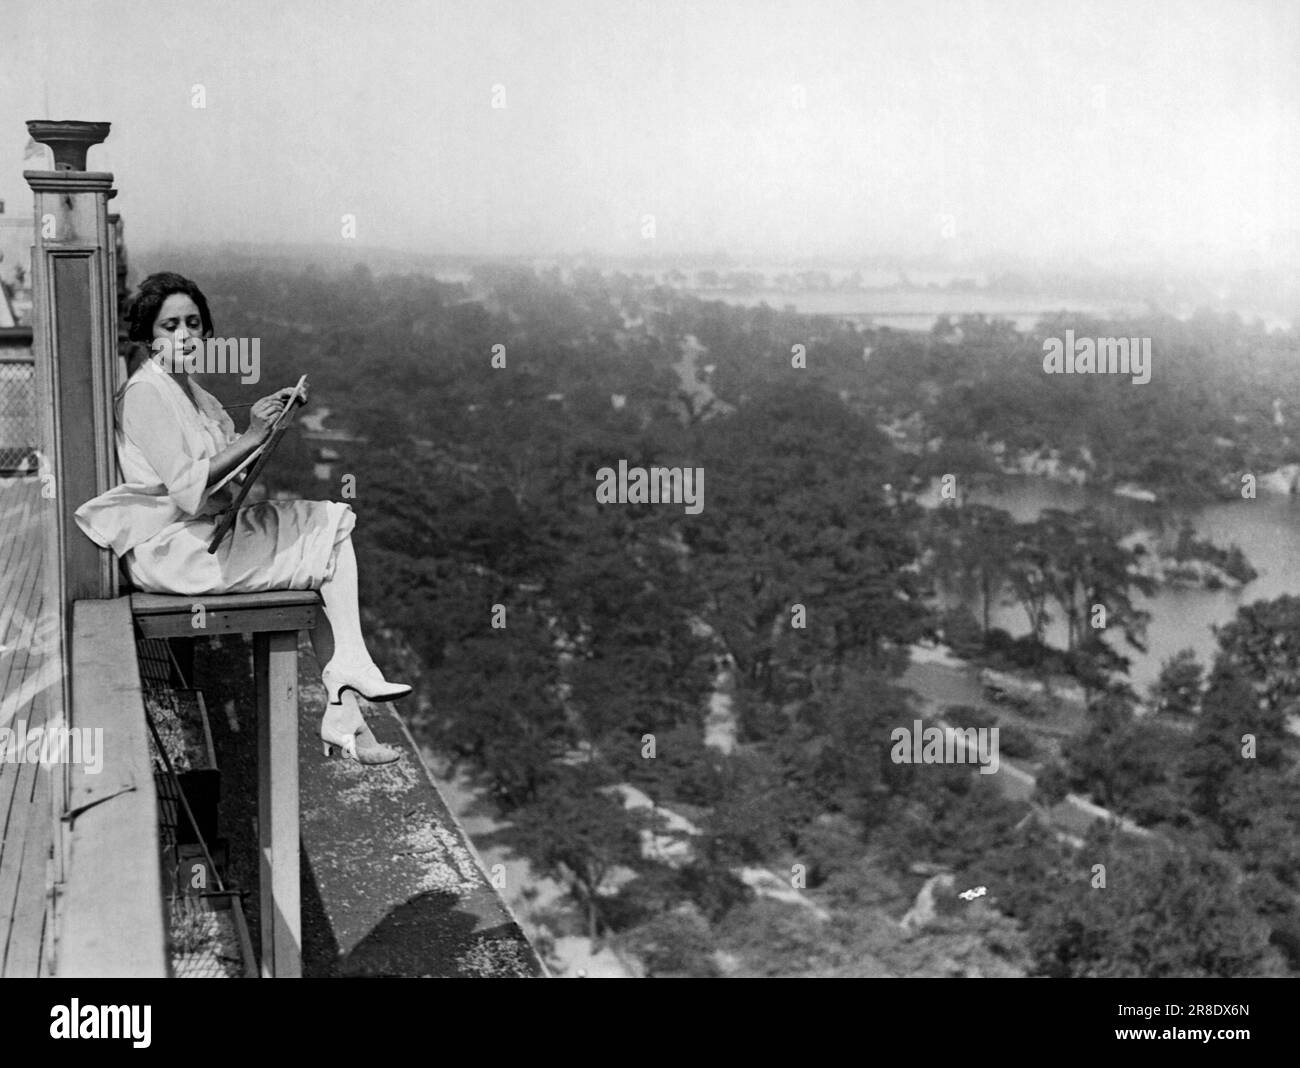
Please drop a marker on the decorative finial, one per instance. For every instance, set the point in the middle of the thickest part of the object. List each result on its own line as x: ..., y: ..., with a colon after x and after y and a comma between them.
x: 69, y: 140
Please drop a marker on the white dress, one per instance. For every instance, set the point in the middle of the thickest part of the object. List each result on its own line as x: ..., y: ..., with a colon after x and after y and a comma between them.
x: 162, y: 518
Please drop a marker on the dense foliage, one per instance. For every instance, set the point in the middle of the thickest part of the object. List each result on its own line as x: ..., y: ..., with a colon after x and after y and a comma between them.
x: 569, y: 647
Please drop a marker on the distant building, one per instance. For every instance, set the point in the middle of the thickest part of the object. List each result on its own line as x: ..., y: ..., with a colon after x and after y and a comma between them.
x: 15, y: 271
x: 6, y: 309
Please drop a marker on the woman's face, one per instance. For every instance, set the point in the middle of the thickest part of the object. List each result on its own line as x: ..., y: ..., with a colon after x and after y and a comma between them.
x: 178, y: 318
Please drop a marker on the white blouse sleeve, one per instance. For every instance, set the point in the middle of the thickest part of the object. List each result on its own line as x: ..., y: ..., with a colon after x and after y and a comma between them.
x: 149, y: 424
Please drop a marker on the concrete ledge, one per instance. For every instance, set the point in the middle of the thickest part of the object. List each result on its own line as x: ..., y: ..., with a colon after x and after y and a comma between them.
x: 390, y: 884
x: 400, y: 884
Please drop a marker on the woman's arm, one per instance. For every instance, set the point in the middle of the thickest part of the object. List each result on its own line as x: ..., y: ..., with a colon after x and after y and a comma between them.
x: 150, y: 426
x: 260, y: 417
x: 235, y: 453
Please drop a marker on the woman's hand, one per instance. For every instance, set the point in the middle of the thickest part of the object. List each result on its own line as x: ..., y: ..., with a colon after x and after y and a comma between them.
x: 288, y: 392
x: 265, y: 411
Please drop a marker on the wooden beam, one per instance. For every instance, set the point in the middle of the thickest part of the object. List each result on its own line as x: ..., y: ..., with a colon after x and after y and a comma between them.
x: 249, y: 621
x: 111, y: 918
x: 147, y: 604
x: 275, y: 664
x: 168, y: 616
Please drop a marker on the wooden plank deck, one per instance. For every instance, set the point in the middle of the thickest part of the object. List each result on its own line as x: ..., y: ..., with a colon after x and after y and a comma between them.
x: 30, y: 666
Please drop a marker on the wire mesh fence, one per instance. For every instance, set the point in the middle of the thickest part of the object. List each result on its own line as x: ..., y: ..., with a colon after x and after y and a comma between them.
x: 17, y: 414
x: 204, y: 939
x: 208, y: 935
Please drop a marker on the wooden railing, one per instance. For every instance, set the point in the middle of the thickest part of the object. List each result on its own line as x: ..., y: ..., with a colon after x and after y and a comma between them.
x: 110, y: 917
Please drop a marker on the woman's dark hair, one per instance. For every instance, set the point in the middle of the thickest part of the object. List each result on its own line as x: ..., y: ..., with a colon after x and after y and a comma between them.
x: 149, y: 298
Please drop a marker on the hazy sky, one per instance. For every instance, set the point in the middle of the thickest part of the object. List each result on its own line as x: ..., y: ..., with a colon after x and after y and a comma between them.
x: 1123, y: 132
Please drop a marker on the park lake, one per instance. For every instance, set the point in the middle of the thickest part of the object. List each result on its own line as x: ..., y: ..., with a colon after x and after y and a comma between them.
x: 1266, y: 528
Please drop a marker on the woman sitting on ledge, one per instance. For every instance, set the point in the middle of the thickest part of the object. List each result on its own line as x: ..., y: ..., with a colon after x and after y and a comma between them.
x: 174, y: 443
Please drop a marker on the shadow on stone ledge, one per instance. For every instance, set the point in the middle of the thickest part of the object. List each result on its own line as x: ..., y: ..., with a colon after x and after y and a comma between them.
x: 391, y: 886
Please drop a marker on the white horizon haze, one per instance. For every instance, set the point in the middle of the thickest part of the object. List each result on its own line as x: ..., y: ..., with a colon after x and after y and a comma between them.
x: 1118, y: 133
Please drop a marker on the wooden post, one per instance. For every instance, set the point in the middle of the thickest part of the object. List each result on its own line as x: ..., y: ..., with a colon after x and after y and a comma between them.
x: 74, y: 348
x: 275, y: 665
x: 74, y: 280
